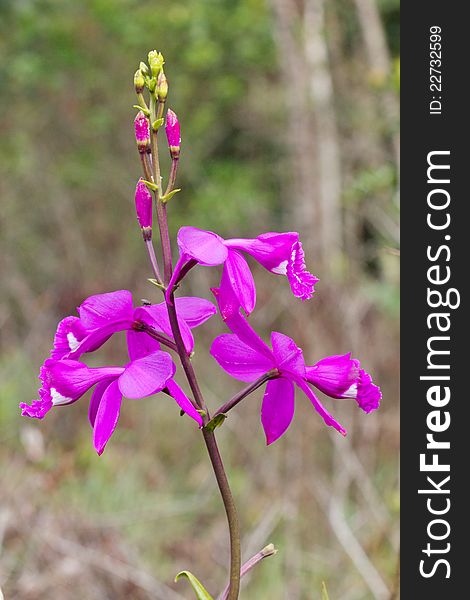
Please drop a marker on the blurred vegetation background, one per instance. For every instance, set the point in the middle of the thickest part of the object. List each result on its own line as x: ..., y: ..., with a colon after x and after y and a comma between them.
x: 289, y: 121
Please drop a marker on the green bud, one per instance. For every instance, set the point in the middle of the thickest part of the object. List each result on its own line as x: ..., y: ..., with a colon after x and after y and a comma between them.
x: 156, y: 62
x: 139, y: 82
x: 157, y: 124
x: 217, y: 421
x: 143, y: 67
x: 162, y: 86
x: 152, y: 84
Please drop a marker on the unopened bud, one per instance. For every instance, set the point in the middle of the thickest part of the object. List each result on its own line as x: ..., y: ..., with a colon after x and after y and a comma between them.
x: 143, y: 67
x: 173, y: 134
x: 142, y: 132
x: 156, y: 62
x: 162, y: 86
x: 139, y: 82
x: 143, y: 207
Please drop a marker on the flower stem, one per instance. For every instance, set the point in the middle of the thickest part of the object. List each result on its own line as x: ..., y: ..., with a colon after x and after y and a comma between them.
x: 268, y: 550
x: 214, y: 455
x: 146, y: 166
x: 231, y: 511
x: 153, y: 260
x: 165, y: 240
x: 172, y: 177
x: 209, y: 437
x: 246, y: 392
x: 150, y: 331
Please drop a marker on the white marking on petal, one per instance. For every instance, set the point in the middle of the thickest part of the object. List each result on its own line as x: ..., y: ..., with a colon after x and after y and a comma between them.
x: 57, y: 398
x: 281, y: 269
x: 73, y: 342
x: 351, y: 392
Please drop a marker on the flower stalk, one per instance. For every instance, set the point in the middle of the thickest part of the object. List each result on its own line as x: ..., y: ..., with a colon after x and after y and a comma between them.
x: 224, y: 409
x: 156, y: 111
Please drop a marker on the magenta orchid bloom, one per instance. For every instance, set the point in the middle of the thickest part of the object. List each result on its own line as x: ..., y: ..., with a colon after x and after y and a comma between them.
x: 245, y: 356
x: 279, y: 253
x: 150, y: 371
x: 104, y: 314
x: 341, y: 376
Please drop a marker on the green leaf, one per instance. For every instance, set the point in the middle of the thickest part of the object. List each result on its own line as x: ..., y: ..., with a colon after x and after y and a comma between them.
x: 324, y: 592
x: 157, y: 124
x: 142, y: 108
x: 153, y: 187
x: 170, y: 195
x: 216, y: 422
x: 157, y: 283
x: 201, y: 592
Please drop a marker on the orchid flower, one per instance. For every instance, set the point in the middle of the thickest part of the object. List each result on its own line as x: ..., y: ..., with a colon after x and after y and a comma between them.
x: 104, y: 314
x: 245, y: 356
x: 149, y: 371
x: 279, y: 253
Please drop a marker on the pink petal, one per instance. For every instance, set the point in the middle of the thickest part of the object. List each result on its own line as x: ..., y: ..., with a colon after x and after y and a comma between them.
x: 321, y: 410
x: 204, y: 246
x: 180, y: 263
x: 140, y: 344
x: 146, y: 376
x: 277, y: 410
x: 301, y: 281
x: 65, y: 381
x: 183, y: 401
x: 70, y: 332
x: 95, y: 399
x: 271, y: 249
x: 238, y: 359
x: 143, y: 204
x: 368, y: 394
x: 156, y: 316
x: 107, y: 416
x: 229, y: 307
x: 141, y: 128
x: 289, y: 357
x: 238, y: 273
x: 195, y: 311
x: 97, y: 337
x: 341, y: 376
x: 335, y: 375
x: 172, y: 129
x: 38, y: 408
x: 98, y: 310
x: 280, y: 253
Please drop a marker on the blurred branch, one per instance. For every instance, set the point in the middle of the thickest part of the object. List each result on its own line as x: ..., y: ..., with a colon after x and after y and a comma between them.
x: 348, y: 540
x: 117, y: 568
x: 378, y: 56
x: 326, y: 135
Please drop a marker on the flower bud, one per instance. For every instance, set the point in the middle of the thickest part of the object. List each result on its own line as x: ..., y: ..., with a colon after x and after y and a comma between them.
x: 162, y: 87
x: 156, y: 62
x: 142, y: 132
x: 139, y: 82
x: 173, y: 135
x: 143, y: 67
x: 143, y: 207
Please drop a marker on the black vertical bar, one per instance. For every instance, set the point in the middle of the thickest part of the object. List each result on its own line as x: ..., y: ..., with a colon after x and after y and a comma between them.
x: 424, y: 245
